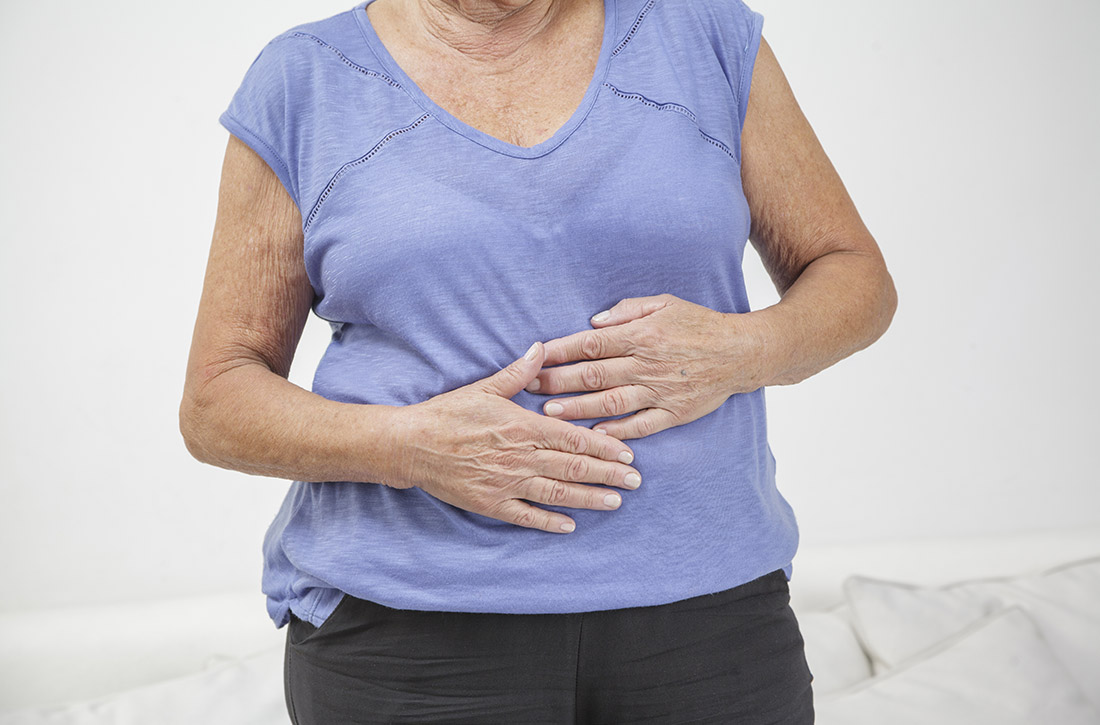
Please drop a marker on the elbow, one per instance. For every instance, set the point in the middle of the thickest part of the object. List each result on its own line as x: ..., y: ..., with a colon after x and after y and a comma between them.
x: 887, y: 303
x: 891, y: 296
x: 202, y: 416
x: 192, y: 430
x: 199, y: 423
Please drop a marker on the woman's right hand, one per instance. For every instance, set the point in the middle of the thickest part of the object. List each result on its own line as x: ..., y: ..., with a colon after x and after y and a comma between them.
x: 473, y: 448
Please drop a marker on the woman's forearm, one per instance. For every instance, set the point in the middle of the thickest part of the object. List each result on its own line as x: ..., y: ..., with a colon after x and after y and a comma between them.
x: 840, y: 304
x: 252, y: 420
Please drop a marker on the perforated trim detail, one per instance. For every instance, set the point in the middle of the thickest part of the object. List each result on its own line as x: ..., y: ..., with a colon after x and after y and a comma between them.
x: 676, y: 108
x: 352, y: 164
x: 346, y: 61
x: 634, y: 27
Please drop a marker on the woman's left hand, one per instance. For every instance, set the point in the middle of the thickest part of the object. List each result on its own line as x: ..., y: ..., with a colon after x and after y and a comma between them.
x: 671, y: 360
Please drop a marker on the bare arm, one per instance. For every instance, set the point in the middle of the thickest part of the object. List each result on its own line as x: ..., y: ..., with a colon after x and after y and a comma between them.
x: 836, y: 295
x: 238, y: 410
x: 471, y: 447
x: 674, y: 361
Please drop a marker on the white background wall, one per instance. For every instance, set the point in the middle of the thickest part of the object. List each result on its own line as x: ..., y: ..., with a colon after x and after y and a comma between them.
x: 965, y: 131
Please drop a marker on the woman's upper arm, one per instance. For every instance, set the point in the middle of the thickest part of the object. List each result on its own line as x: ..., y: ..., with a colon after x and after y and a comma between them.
x: 256, y: 296
x: 799, y: 207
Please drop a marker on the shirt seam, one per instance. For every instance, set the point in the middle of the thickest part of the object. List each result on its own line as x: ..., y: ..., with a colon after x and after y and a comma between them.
x: 634, y: 27
x: 677, y: 108
x: 745, y: 81
x: 348, y: 61
x: 351, y: 164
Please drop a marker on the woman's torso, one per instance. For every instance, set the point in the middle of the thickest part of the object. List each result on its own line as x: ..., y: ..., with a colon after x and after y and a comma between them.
x: 439, y: 252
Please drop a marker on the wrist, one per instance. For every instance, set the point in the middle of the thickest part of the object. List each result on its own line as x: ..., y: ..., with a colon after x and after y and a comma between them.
x: 389, y: 429
x: 771, y: 345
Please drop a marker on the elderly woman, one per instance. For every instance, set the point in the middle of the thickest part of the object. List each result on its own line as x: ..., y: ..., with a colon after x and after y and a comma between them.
x: 525, y: 221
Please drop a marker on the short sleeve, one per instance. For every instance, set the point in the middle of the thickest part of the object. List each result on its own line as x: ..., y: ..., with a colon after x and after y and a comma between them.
x: 753, y: 28
x: 262, y: 113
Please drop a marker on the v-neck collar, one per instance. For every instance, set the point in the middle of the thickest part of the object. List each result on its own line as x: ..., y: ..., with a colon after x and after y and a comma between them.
x: 477, y: 135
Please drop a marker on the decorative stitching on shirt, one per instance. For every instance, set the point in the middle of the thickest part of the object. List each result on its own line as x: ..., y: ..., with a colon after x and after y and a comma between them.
x: 351, y: 164
x: 649, y: 102
x: 344, y: 59
x: 676, y: 107
x: 719, y: 144
x: 637, y: 21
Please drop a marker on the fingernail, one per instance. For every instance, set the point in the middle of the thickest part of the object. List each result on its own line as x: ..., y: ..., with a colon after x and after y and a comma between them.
x: 633, y: 480
x: 601, y: 316
x: 601, y: 430
x: 626, y: 457
x: 568, y: 526
x: 531, y: 351
x: 554, y: 409
x: 533, y: 386
x: 612, y: 500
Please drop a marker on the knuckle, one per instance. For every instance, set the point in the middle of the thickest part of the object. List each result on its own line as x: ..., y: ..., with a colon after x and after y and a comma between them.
x: 592, y: 346
x: 519, y: 460
x: 664, y: 370
x: 497, y: 509
x: 558, y: 494
x: 646, y: 426
x: 594, y: 376
x: 614, y: 402
x: 491, y: 506
x: 499, y: 458
x: 512, y: 431
x: 574, y: 440
x: 577, y: 468
x: 527, y: 518
x: 648, y: 336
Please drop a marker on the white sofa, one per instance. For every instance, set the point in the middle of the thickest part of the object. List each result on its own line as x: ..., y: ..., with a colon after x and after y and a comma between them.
x: 992, y: 629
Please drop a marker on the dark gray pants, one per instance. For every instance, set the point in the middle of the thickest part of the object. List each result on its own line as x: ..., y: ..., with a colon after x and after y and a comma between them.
x: 736, y: 658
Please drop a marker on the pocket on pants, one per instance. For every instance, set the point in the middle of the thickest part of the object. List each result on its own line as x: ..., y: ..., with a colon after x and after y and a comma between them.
x: 299, y: 631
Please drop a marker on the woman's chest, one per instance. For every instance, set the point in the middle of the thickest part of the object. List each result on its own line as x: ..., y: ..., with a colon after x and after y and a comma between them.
x: 523, y: 111
x: 634, y: 202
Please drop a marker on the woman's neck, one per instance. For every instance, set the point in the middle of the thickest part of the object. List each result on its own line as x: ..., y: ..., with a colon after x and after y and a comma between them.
x: 488, y: 31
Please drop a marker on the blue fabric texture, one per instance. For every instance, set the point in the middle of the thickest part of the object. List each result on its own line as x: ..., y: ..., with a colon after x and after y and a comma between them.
x: 439, y: 254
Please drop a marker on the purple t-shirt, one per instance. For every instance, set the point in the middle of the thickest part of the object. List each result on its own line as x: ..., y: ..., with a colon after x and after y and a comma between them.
x: 439, y: 253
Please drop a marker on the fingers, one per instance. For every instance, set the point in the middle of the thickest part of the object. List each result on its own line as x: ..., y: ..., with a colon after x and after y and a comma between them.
x: 554, y: 493
x: 571, y: 495
x: 605, y: 340
x: 632, y: 308
x: 603, y: 404
x: 641, y: 424
x: 588, y: 345
x: 511, y: 379
x: 571, y: 438
x: 584, y: 469
x: 595, y: 375
x: 520, y: 513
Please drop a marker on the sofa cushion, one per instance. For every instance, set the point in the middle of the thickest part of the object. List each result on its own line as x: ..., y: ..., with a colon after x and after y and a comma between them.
x: 997, y: 671
x: 245, y: 691
x: 833, y: 651
x: 894, y: 620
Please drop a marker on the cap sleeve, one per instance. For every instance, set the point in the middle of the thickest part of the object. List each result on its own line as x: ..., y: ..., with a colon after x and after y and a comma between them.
x: 262, y: 113
x: 752, y: 27
x: 746, y: 31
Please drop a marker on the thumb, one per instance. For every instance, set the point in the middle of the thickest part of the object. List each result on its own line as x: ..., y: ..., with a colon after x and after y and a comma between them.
x: 631, y: 308
x: 508, y: 381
